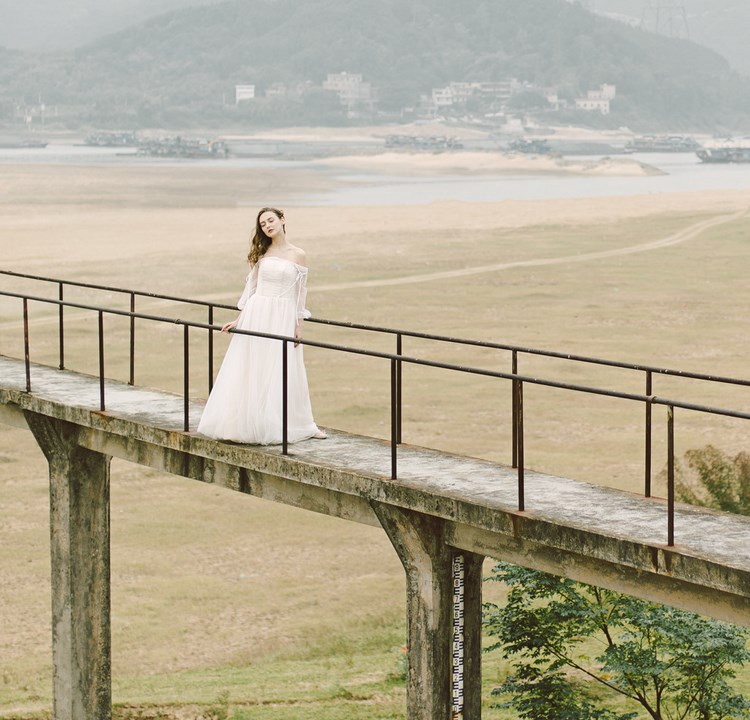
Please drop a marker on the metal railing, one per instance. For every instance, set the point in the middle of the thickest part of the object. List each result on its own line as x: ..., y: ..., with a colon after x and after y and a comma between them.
x: 396, y: 360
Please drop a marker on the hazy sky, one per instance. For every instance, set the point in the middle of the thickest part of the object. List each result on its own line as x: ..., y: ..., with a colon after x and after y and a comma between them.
x: 52, y: 24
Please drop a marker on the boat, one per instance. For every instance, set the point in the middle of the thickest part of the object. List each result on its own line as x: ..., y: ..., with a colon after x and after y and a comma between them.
x: 726, y: 153
x: 112, y: 139
x: 530, y: 147
x: 181, y: 147
x: 24, y: 144
x: 662, y: 143
x: 423, y: 142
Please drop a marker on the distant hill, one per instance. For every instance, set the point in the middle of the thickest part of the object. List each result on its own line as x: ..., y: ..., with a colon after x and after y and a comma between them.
x: 51, y: 25
x: 182, y: 66
x: 721, y: 25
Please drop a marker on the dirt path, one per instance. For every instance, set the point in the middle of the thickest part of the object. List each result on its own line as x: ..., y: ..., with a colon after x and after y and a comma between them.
x: 675, y: 239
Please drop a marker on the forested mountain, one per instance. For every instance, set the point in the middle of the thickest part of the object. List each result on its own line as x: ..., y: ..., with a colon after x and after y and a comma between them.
x: 53, y: 25
x: 718, y: 24
x: 181, y: 67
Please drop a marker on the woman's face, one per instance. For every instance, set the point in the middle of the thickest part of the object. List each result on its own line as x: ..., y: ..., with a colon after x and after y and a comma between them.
x: 271, y: 224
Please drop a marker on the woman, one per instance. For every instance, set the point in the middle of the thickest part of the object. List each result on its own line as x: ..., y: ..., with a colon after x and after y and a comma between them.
x: 245, y: 404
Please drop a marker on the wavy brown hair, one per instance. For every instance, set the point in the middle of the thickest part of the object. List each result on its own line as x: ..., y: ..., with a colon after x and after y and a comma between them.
x: 260, y: 242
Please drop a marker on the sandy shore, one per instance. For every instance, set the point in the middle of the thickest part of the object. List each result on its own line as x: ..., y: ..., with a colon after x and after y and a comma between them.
x: 456, y: 161
x: 463, y: 132
x: 490, y: 162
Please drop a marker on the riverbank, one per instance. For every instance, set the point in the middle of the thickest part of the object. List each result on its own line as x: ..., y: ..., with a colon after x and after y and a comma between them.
x: 425, y: 163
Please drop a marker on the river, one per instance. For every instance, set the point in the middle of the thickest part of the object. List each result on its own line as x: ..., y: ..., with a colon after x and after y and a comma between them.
x: 683, y: 172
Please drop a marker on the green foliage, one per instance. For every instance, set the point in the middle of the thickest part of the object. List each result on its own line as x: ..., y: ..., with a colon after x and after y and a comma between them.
x: 559, y: 634
x: 219, y: 710
x: 529, y: 100
x: 717, y: 480
x: 182, y: 65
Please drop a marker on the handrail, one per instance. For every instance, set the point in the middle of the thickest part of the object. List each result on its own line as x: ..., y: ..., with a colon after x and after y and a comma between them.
x: 396, y: 360
x: 401, y: 358
x: 413, y: 333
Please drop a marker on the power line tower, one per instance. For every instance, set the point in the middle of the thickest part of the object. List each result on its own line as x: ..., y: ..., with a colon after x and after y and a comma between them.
x: 666, y: 17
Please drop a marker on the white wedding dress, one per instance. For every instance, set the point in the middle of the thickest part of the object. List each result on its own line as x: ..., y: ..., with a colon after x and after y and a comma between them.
x: 245, y: 404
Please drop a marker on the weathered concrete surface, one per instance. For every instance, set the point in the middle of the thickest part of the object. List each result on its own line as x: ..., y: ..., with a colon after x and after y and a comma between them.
x: 420, y: 541
x: 79, y: 535
x: 590, y: 533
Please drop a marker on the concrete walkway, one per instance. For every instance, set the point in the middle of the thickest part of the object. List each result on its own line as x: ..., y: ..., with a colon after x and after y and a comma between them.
x: 587, y: 532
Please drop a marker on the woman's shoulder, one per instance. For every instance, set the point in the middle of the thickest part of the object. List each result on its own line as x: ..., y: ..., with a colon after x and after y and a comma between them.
x: 297, y: 255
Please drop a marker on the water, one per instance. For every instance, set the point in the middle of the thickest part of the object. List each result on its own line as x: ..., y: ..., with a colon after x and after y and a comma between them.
x: 684, y: 172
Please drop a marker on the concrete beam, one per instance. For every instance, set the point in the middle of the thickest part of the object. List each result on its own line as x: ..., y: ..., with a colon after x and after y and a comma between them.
x: 80, y: 554
x: 662, y: 588
x: 419, y: 541
x: 250, y: 481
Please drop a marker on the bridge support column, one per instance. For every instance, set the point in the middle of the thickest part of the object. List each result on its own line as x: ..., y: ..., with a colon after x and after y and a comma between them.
x: 444, y: 647
x: 80, y: 547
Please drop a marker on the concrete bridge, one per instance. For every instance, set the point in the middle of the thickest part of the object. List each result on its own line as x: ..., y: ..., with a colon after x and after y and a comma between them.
x: 443, y: 513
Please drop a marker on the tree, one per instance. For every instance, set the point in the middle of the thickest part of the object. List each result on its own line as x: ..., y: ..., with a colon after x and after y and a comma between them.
x: 529, y: 100
x: 717, y: 480
x: 672, y: 663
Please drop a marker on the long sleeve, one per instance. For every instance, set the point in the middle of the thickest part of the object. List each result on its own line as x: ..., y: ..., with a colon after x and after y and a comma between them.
x: 302, y: 312
x: 251, y: 285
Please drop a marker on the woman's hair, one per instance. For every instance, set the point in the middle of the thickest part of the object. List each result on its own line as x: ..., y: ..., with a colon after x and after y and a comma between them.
x: 260, y: 242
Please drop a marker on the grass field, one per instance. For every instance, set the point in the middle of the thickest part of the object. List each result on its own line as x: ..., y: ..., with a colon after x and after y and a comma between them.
x: 228, y: 602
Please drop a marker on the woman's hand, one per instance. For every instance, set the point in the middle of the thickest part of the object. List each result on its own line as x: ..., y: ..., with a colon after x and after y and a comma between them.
x: 229, y: 326
x: 298, y: 333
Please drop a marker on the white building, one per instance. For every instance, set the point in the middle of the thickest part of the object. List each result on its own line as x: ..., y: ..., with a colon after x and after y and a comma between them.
x: 496, y: 90
x: 276, y: 89
x: 350, y: 87
x: 597, y: 100
x: 243, y: 92
x: 442, y: 97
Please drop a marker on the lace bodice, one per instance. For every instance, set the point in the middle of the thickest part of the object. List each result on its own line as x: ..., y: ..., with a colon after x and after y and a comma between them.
x: 276, y: 277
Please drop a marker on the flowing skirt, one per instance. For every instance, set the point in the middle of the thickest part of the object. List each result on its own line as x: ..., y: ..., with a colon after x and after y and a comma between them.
x: 245, y: 404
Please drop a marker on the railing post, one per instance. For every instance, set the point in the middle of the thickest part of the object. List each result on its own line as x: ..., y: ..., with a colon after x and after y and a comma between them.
x: 131, y: 381
x: 101, y: 360
x: 514, y: 408
x: 519, y: 425
x: 649, y: 389
x: 394, y: 419
x: 210, y: 349
x: 670, y: 475
x: 284, y: 398
x: 186, y: 376
x: 399, y: 351
x: 26, y: 352
x: 60, y: 296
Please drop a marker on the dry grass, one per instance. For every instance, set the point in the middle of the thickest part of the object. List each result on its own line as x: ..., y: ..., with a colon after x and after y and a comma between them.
x: 214, y: 591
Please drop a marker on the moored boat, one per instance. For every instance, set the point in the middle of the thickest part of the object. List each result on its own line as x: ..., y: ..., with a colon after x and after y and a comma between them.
x: 181, y: 147
x: 112, y: 139
x: 662, y: 143
x: 728, y: 152
x: 22, y: 143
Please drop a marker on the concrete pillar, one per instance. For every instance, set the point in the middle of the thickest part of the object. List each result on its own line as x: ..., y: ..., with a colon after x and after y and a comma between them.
x: 429, y: 564
x: 79, y: 522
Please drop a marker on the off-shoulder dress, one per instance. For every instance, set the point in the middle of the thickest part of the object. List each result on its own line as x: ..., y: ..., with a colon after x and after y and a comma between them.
x: 245, y: 404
